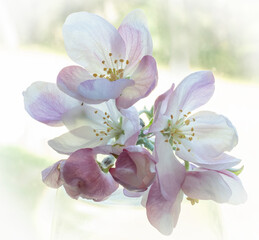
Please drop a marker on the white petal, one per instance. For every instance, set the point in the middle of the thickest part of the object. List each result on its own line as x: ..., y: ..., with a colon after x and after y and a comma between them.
x: 89, y: 39
x: 82, y: 137
x: 214, y: 134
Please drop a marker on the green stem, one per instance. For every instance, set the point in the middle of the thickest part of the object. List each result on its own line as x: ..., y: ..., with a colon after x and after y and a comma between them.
x: 187, y: 165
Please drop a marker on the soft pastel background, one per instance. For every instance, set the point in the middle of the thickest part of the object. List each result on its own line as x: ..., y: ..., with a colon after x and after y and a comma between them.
x: 221, y: 35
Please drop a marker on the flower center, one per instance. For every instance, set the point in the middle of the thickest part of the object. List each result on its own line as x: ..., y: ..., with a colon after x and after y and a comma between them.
x: 110, y: 128
x: 176, y: 131
x: 113, y: 69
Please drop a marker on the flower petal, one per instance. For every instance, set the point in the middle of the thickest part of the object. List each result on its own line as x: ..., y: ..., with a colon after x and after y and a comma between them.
x: 239, y: 194
x: 99, y: 90
x: 163, y: 214
x: 132, y: 194
x: 46, y: 103
x: 89, y: 39
x: 206, y: 185
x: 194, y: 91
x: 134, y: 169
x: 70, y: 78
x: 137, y: 38
x: 145, y: 78
x: 161, y: 102
x: 160, y: 106
x: 84, y: 178
x: 82, y: 137
x: 51, y: 176
x: 170, y: 171
x: 213, y: 135
x: 130, y: 125
x: 223, y: 161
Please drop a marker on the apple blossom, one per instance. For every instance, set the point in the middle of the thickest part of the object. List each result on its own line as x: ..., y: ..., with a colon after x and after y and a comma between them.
x: 83, y: 176
x: 97, y: 125
x: 116, y: 64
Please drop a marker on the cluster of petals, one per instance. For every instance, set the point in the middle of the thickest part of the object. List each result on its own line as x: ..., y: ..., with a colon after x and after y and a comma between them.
x: 200, y: 140
x: 83, y: 176
x: 94, y: 101
x: 114, y: 63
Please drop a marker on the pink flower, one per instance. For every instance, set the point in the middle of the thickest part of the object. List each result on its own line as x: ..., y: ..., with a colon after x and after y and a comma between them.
x: 201, y: 138
x: 163, y: 209
x: 134, y: 169
x: 116, y: 64
x: 83, y: 176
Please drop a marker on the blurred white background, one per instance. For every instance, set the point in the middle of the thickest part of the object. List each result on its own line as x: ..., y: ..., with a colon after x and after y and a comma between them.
x: 222, y: 36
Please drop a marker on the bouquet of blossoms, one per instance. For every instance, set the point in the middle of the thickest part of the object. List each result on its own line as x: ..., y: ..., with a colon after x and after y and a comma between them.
x: 175, y: 154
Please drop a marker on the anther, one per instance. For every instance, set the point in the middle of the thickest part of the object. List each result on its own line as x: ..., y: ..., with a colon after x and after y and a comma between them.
x: 166, y: 140
x: 187, y: 122
x: 105, y: 69
x: 172, y: 116
x: 104, y: 118
x: 193, y: 134
x: 96, y: 112
x: 103, y: 62
x: 193, y: 119
x: 127, y: 62
x: 97, y: 134
x: 121, y: 60
x: 185, y: 115
x: 189, y: 150
x: 110, y: 54
x: 181, y: 110
x: 95, y: 75
x: 115, y: 61
x: 101, y: 139
x: 105, y: 113
x: 190, y: 138
x: 192, y: 129
x: 94, y: 130
x: 189, y: 113
x: 177, y: 149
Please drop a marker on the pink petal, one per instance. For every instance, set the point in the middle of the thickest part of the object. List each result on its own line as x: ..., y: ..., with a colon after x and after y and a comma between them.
x: 46, y: 103
x: 132, y: 194
x: 51, y: 176
x: 163, y: 214
x: 145, y: 78
x: 137, y: 38
x: 84, y: 178
x: 134, y: 169
x: 214, y: 134
x: 70, y: 78
x: 170, y: 171
x: 89, y: 39
x: 206, y: 185
x: 161, y: 102
x: 194, y: 91
x: 99, y: 90
x: 160, y: 121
